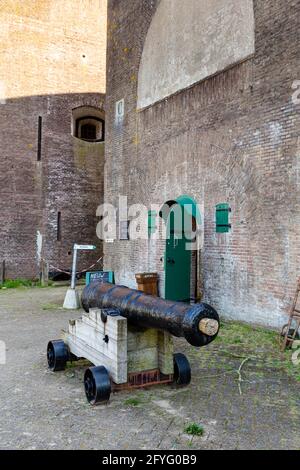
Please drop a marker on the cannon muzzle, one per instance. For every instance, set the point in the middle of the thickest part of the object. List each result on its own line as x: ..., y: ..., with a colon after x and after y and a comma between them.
x: 199, y: 324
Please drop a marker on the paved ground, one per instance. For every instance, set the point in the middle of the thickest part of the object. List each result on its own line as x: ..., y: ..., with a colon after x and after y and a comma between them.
x: 42, y: 410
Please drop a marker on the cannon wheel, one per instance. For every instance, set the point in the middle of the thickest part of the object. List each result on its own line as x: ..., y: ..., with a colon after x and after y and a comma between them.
x: 97, y: 385
x: 182, y: 369
x: 57, y: 355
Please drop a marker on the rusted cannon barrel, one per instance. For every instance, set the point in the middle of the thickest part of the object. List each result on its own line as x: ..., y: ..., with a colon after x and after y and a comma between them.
x: 198, y: 324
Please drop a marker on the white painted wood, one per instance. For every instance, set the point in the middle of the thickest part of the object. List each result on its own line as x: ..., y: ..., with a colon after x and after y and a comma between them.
x: 117, y: 369
x: 93, y: 320
x: 85, y: 338
x: 127, y: 349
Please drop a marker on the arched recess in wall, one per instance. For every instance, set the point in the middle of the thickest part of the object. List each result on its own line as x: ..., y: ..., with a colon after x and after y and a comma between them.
x: 88, y: 124
x: 183, y: 223
x: 191, y: 40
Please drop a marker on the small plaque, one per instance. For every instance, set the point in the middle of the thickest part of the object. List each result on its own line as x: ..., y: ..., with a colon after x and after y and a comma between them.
x: 103, y: 276
x: 120, y: 105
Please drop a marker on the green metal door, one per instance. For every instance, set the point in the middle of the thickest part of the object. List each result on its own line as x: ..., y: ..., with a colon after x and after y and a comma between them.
x: 177, y: 260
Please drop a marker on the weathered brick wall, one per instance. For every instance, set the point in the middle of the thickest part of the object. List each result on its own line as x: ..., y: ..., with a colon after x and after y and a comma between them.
x: 52, y: 58
x: 232, y: 138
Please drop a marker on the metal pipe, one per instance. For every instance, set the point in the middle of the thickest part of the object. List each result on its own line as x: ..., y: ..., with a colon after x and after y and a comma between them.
x: 179, y: 319
x: 74, y: 265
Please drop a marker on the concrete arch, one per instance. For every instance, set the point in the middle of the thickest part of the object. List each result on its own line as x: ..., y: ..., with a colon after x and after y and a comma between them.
x: 191, y: 40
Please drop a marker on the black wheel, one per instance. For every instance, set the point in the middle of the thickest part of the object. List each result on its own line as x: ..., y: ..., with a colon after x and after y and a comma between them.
x: 182, y: 369
x: 57, y: 355
x: 97, y: 385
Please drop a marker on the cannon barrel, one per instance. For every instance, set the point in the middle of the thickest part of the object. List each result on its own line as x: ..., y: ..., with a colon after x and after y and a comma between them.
x: 198, y: 324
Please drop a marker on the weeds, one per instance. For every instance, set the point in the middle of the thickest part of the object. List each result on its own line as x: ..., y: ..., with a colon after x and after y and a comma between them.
x: 51, y: 307
x: 194, y: 429
x: 19, y: 283
x: 238, y: 341
x: 132, y: 402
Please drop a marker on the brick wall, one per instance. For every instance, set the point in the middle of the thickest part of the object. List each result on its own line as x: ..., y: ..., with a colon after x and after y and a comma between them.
x: 232, y: 138
x: 52, y: 58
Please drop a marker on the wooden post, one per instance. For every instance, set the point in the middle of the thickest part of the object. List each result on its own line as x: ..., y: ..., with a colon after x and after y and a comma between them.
x: 45, y: 274
x: 2, y: 272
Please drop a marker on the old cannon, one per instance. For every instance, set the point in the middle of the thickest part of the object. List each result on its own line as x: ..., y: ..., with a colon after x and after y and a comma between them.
x: 128, y: 336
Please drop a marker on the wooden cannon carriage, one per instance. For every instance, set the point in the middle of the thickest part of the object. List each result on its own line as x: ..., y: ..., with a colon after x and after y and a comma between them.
x: 128, y: 336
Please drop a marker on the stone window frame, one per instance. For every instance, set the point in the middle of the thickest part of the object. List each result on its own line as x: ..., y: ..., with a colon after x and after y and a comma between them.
x: 84, y: 115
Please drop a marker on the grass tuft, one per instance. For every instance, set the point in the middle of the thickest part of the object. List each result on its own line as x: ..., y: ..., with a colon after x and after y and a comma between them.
x: 18, y: 283
x: 51, y: 307
x: 132, y: 402
x: 194, y: 429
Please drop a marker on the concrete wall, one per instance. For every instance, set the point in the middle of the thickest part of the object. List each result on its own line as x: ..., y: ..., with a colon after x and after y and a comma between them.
x: 52, y: 56
x: 191, y: 40
x: 232, y: 138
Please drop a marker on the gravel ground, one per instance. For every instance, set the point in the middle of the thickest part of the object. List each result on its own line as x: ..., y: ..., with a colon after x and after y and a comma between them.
x: 43, y: 410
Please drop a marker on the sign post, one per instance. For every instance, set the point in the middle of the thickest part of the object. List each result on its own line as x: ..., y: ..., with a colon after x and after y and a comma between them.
x: 72, y: 301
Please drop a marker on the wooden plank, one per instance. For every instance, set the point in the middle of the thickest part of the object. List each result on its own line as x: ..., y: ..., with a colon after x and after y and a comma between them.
x: 86, y: 338
x: 125, y: 350
x: 78, y: 347
x: 142, y: 339
x: 143, y: 360
x: 44, y: 273
x: 115, y: 327
x: 116, y: 348
x: 165, y: 353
